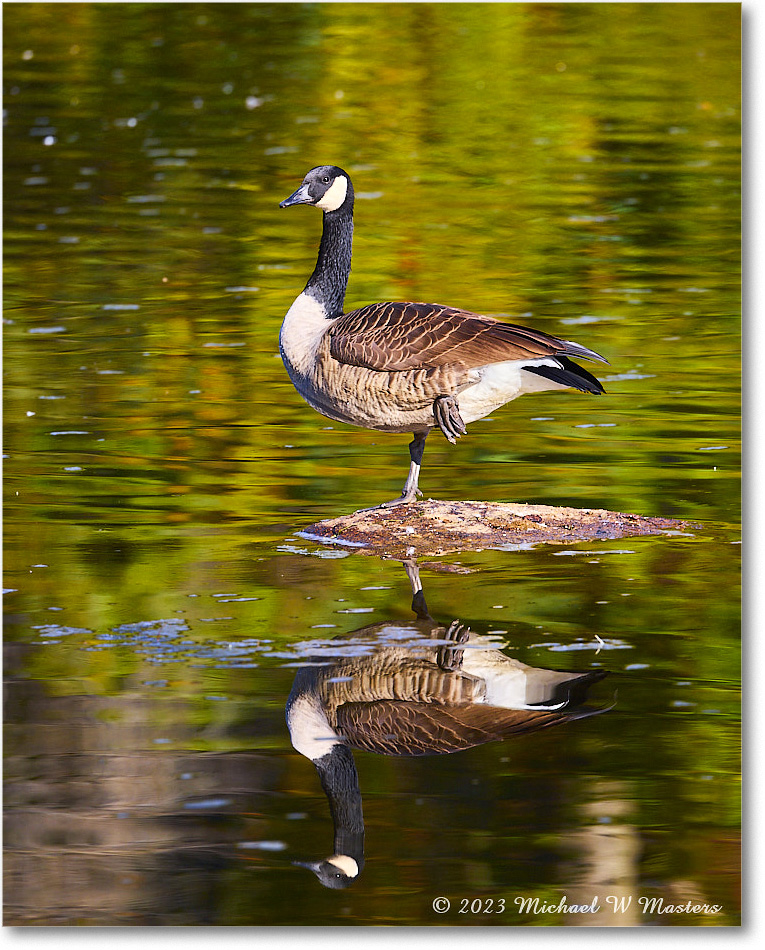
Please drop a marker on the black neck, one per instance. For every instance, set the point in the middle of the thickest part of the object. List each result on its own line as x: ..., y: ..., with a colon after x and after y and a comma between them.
x: 340, y: 781
x: 329, y: 280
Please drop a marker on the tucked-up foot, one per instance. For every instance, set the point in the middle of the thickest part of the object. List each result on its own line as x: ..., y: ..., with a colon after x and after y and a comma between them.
x: 450, y: 658
x: 446, y: 412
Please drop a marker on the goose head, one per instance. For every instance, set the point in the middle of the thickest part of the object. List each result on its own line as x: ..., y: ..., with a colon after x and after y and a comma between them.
x: 326, y: 186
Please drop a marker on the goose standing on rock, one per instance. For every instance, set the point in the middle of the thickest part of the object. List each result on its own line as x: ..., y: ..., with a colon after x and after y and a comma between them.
x: 407, y: 367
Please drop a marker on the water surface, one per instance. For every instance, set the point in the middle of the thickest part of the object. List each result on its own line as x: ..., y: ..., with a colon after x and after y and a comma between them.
x: 574, y: 167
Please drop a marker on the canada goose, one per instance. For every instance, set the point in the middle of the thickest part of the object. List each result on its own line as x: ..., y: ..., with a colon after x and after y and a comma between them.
x: 406, y: 367
x: 444, y: 691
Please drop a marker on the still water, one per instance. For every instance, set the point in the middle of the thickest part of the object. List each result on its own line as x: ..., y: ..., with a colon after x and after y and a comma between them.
x: 572, y: 166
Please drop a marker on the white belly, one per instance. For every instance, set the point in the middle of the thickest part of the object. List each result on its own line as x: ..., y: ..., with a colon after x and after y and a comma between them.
x: 509, y: 683
x: 500, y: 383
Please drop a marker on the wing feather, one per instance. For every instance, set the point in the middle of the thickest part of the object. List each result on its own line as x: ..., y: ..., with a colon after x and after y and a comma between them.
x: 395, y: 337
x: 399, y: 728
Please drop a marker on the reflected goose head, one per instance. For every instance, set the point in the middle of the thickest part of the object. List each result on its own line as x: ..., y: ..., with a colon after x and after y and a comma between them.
x: 337, y: 871
x: 326, y: 186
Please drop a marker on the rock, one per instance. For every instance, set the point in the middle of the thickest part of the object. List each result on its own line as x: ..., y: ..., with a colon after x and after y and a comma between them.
x: 442, y: 527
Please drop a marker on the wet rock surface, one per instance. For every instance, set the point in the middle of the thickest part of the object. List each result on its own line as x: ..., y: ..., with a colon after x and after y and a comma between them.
x: 441, y: 527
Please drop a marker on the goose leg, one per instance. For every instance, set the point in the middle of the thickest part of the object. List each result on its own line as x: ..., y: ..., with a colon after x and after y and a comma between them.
x: 447, y: 415
x: 446, y: 412
x: 418, y: 597
x: 410, y: 490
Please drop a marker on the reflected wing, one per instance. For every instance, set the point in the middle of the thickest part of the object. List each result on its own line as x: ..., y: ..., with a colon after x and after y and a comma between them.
x: 400, y: 728
x: 404, y: 336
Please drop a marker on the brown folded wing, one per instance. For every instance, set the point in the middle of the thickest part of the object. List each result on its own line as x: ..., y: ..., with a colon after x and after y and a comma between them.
x: 405, y: 336
x: 400, y: 728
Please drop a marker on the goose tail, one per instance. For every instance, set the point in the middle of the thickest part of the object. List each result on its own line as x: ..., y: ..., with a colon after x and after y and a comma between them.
x: 568, y: 373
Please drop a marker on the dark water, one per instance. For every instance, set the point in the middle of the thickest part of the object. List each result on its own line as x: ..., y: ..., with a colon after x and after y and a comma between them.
x: 572, y: 166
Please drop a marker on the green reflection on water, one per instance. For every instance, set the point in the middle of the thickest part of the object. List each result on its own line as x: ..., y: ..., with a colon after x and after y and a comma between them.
x: 573, y: 166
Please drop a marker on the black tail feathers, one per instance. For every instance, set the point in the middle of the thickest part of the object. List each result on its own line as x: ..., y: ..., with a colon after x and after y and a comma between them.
x: 569, y: 373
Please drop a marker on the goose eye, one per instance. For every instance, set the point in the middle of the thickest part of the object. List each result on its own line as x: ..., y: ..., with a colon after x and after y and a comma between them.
x: 325, y: 179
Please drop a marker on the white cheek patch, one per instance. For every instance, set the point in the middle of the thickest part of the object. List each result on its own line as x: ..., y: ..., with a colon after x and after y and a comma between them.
x: 344, y: 863
x: 335, y: 195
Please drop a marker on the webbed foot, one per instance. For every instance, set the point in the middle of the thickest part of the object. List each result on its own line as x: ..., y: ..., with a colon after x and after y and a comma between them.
x: 450, y: 658
x: 446, y: 412
x: 405, y: 498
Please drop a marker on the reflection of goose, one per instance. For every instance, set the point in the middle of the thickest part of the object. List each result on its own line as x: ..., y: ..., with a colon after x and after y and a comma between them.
x: 407, y: 367
x: 407, y: 701
x: 423, y: 698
